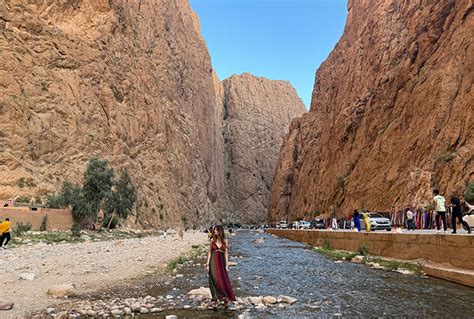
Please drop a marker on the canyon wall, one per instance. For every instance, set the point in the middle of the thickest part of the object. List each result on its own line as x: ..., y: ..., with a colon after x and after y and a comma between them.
x: 391, y: 114
x: 128, y: 81
x: 257, y: 114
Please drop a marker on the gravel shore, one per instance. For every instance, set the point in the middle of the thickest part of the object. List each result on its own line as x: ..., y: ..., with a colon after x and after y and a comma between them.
x: 28, y: 272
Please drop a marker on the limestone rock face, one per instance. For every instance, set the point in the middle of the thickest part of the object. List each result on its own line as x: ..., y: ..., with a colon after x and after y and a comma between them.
x: 131, y: 82
x: 257, y: 114
x: 391, y: 114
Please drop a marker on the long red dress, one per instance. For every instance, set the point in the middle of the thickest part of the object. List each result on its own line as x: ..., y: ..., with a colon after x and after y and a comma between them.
x: 219, y: 282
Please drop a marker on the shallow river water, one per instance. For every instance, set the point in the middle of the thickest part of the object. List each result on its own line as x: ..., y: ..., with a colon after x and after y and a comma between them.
x: 323, y: 288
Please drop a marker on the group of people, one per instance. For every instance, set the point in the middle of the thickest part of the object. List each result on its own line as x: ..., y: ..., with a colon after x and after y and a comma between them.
x: 5, y: 233
x: 439, y: 210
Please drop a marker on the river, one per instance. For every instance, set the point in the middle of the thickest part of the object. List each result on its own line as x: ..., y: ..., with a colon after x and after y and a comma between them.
x: 323, y: 288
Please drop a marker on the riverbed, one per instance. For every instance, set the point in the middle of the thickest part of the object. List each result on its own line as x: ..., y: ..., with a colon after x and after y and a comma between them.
x: 268, y: 265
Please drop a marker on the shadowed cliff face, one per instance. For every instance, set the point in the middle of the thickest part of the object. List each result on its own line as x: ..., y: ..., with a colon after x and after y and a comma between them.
x: 391, y: 114
x: 129, y: 81
x: 257, y: 114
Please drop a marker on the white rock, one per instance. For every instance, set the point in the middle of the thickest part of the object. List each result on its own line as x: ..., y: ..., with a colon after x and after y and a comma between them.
x: 357, y: 259
x: 154, y: 310
x: 179, y: 275
x: 91, y: 313
x: 62, y: 291
x: 286, y: 299
x: 269, y: 300
x: 171, y: 317
x: 232, y: 263
x: 50, y: 310
x: 255, y: 300
x: 116, y: 312
x: 27, y: 276
x: 144, y: 310
x: 200, y: 293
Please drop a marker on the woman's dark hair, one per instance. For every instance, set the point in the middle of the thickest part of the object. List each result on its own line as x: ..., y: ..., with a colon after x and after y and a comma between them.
x: 220, y: 233
x: 436, y: 191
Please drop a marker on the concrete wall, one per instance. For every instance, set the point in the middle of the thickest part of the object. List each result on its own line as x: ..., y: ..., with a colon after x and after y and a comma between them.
x: 58, y: 219
x: 455, y: 250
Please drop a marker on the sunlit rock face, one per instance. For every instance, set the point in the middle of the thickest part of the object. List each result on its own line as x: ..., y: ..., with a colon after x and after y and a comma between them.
x: 391, y: 113
x: 129, y: 81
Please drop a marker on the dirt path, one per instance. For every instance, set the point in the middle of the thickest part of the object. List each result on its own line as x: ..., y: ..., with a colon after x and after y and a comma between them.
x: 89, y: 266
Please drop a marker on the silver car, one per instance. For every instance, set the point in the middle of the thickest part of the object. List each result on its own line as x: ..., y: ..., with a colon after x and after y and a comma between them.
x: 377, y: 222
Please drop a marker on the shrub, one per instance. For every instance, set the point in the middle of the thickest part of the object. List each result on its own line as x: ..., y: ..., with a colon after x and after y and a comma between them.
x: 23, y: 199
x: 76, y: 229
x: 22, y: 228
x: 327, y: 245
x: 44, y: 222
x: 363, y: 250
x: 54, y: 201
x: 469, y: 193
x: 445, y: 157
x: 110, y: 222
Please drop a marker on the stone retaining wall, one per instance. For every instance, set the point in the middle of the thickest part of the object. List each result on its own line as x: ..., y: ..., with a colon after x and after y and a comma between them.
x: 455, y: 250
x: 58, y: 219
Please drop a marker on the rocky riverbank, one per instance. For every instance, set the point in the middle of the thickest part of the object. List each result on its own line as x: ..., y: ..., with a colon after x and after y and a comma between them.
x: 41, y: 276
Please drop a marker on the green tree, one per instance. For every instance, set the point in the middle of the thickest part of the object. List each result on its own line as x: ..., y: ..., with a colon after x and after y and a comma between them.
x: 123, y: 197
x: 469, y: 193
x: 98, y: 181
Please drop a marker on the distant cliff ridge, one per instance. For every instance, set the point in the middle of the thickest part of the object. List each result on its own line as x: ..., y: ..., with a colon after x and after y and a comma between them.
x: 391, y: 114
x: 131, y: 82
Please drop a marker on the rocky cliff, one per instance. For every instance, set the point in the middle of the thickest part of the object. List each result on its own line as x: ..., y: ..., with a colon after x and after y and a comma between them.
x: 257, y: 114
x: 391, y: 114
x: 129, y: 81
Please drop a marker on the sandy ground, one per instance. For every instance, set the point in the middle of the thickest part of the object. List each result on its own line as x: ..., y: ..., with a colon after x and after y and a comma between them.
x: 89, y: 266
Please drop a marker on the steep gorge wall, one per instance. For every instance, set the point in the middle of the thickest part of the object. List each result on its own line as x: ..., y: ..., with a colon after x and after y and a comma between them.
x: 391, y: 114
x: 129, y: 81
x: 257, y: 114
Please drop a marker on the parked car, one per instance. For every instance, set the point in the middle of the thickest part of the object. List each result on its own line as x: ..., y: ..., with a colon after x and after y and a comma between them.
x: 304, y: 225
x: 318, y: 223
x: 377, y: 222
x: 469, y: 218
x: 283, y: 225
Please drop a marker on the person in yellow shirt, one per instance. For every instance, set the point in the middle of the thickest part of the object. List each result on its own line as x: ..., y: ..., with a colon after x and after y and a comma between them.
x: 5, y: 231
x: 366, y: 221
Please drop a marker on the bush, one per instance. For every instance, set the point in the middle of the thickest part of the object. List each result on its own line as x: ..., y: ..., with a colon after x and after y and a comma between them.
x: 44, y: 222
x: 23, y: 199
x: 327, y: 245
x: 341, y: 180
x: 54, y: 201
x: 76, y: 229
x: 363, y: 250
x: 21, y: 228
x: 469, y: 193
x: 110, y: 222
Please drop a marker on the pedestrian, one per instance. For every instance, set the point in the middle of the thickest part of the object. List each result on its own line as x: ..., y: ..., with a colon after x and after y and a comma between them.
x: 356, y: 219
x: 439, y: 204
x: 366, y: 217
x: 5, y: 233
x: 217, y: 266
x: 410, y: 221
x: 456, y: 209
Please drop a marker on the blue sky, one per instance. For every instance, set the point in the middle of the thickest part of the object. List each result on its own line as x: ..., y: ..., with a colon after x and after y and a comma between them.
x: 277, y: 39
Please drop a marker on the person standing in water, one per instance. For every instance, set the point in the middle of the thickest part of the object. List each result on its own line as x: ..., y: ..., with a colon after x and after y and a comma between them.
x: 217, y: 267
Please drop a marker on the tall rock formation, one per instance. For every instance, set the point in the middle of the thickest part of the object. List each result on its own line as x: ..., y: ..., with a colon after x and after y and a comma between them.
x: 129, y: 81
x: 391, y: 114
x: 257, y: 114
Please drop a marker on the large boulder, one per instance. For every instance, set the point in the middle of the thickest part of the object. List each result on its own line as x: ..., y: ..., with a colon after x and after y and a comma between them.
x: 200, y: 293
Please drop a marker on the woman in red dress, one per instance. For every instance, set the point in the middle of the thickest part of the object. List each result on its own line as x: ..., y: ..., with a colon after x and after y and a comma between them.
x: 217, y: 266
